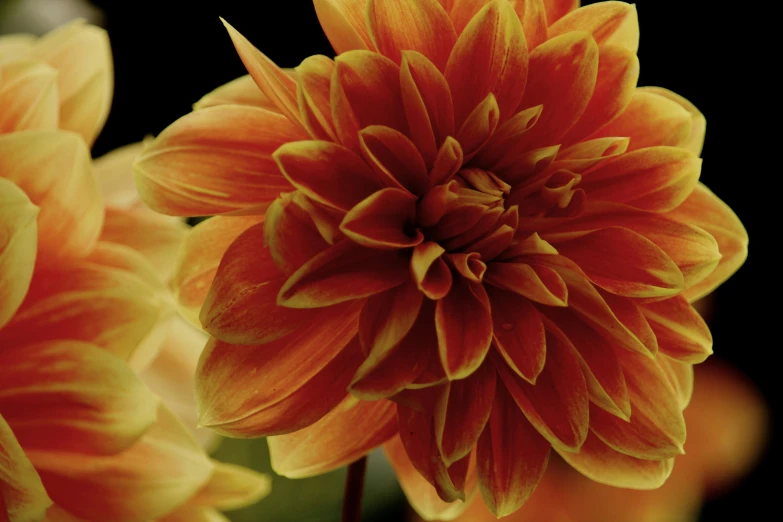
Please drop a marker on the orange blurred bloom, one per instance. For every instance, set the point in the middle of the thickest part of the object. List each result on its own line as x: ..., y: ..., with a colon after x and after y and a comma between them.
x: 727, y: 423
x: 482, y: 218
x: 82, y: 305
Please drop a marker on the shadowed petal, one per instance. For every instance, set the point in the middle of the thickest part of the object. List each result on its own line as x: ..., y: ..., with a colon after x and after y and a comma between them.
x: 55, y: 171
x: 242, y: 91
x: 538, y: 283
x: 314, y: 78
x: 511, y: 457
x: 387, y: 318
x: 291, y: 235
x: 429, y: 270
x: 599, y: 462
x: 214, y: 161
x: 29, y: 97
x: 72, y: 396
x: 343, y: 21
x: 479, y: 127
x: 344, y: 435
x: 695, y: 141
x: 613, y: 23
x: 681, y: 332
x: 394, y: 158
x: 22, y: 496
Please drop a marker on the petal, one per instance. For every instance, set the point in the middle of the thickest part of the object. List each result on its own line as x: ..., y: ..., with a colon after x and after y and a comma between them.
x: 501, y: 150
x: 600, y: 463
x: 613, y: 23
x: 681, y: 332
x: 680, y: 375
x: 189, y: 513
x: 490, y: 56
x: 618, y: 72
x: 411, y: 25
x: 656, y: 179
x: 29, y: 97
x: 421, y: 494
x: 464, y: 324
x: 276, y: 85
x: 538, y: 283
x: 117, y: 308
x: 291, y: 235
x: 518, y: 333
x: 563, y: 72
x: 387, y: 318
x: 650, y: 120
x: 55, y: 171
x: 85, y: 75
x: 447, y: 162
x: 215, y: 160
x: 462, y: 409
x: 394, y: 158
x: 199, y: 258
x: 242, y: 91
x: 530, y: 12
x: 557, y: 9
x: 429, y: 271
x: 344, y: 435
x: 704, y: 209
x: 343, y: 21
x: 16, y: 45
x: 114, y: 172
x: 326, y: 172
x: 695, y: 141
x: 75, y: 397
x: 18, y: 240
x: 159, y: 473
x: 479, y: 127
x: 22, y: 496
x: 343, y: 272
x: 511, y: 457
x: 557, y: 405
x: 624, y: 263
x: 232, y: 487
x: 314, y: 78
x: 365, y: 91
x: 426, y: 98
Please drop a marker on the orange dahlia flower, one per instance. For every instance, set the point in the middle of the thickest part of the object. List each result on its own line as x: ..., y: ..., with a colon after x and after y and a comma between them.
x: 472, y: 211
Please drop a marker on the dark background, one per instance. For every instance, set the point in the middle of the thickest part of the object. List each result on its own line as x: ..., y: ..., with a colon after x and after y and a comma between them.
x: 168, y: 54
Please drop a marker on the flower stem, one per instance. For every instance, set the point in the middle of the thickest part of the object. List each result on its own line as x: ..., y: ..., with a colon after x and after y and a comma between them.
x: 354, y: 488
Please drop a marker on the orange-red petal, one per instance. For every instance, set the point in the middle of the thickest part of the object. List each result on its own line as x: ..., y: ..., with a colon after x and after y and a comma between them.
x: 242, y: 91
x: 695, y: 141
x: 613, y: 23
x: 343, y: 21
x: 681, y: 332
x: 22, y: 496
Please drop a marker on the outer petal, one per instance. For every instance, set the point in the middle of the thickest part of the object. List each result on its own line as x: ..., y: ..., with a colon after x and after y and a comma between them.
x: 55, y: 170
x: 214, y: 161
x: 695, y: 141
x: 531, y: 13
x: 72, y: 396
x: 82, y: 56
x: 681, y: 332
x: 349, y: 432
x: 557, y: 9
x: 18, y: 240
x: 242, y: 91
x: 314, y: 78
x: 343, y: 21
x: 705, y: 210
x: 493, y: 47
x: 281, y: 386
x: 232, y: 487
x: 159, y: 473
x: 28, y: 94
x: 609, y: 22
x: 511, y: 456
x: 599, y: 462
x: 22, y: 496
x: 199, y: 258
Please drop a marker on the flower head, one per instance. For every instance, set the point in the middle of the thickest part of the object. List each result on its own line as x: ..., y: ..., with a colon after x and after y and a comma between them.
x: 472, y: 211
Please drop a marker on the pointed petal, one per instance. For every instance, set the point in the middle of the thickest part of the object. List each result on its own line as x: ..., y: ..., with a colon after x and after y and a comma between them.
x: 563, y: 72
x: 600, y: 463
x: 242, y: 91
x: 650, y: 120
x: 618, y: 72
x: 447, y: 162
x: 695, y: 141
x: 343, y: 21
x: 279, y: 87
x: 54, y: 169
x: 314, y: 78
x: 22, y: 496
x: 343, y: 272
x: 159, y: 473
x: 518, y: 333
x: 501, y: 150
x: 214, y: 161
x: 681, y: 332
x: 557, y: 405
x: 387, y: 318
x: 365, y: 91
x: 479, y: 126
x: 18, y: 247
x: 704, y: 209
x: 490, y: 56
x: 282, y: 386
x: 411, y: 25
x: 347, y: 433
x: 75, y: 397
x: 394, y: 158
x: 656, y: 179
x: 85, y: 71
x: 29, y: 97
x: 624, y: 263
x: 680, y: 375
x: 429, y: 270
x: 538, y: 283
x: 114, y: 173
x: 326, y: 172
x: 511, y: 457
x: 463, y: 321
x: 421, y: 494
x: 291, y: 235
x: 232, y: 487
x: 557, y: 9
x: 531, y: 13
x: 613, y: 23
x: 462, y: 409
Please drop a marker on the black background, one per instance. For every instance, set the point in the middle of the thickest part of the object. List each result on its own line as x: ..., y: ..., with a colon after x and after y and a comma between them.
x: 168, y: 54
